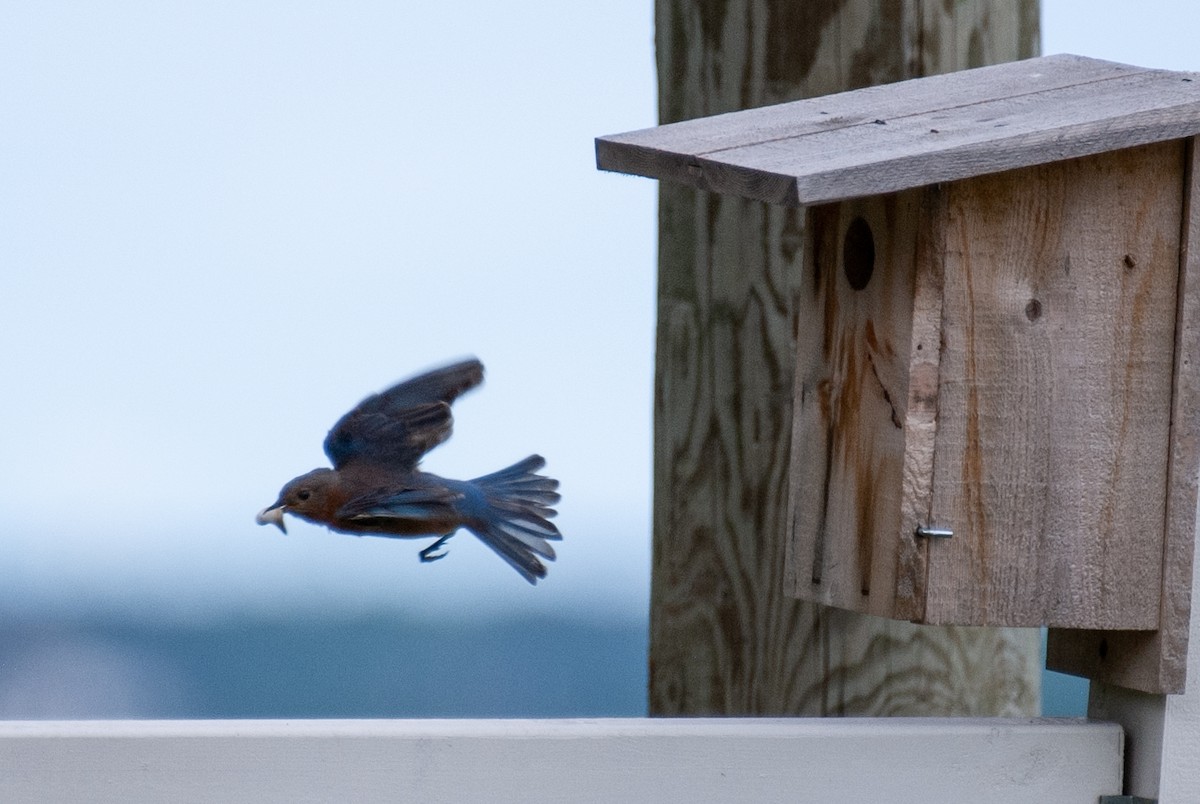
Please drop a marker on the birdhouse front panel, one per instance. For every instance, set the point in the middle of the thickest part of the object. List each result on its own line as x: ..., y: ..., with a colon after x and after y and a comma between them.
x: 983, y: 417
x: 1058, y: 322
x: 855, y: 320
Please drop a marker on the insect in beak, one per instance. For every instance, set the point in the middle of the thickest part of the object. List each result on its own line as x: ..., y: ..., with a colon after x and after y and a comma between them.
x: 271, y: 516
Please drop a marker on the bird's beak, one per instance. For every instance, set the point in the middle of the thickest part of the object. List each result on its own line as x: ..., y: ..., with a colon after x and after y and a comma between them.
x: 272, y: 516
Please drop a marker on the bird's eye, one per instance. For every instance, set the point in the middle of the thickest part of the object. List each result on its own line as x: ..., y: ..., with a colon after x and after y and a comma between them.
x: 304, y: 495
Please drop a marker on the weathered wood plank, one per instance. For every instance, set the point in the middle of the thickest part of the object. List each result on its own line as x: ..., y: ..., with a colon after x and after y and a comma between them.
x: 851, y: 401
x: 1157, y: 661
x: 861, y: 143
x: 716, y: 133
x: 1055, y: 392
x: 725, y: 639
x: 920, y: 425
x: 945, y: 145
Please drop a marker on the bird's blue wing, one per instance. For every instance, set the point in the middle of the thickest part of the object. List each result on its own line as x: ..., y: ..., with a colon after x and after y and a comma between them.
x: 396, y: 427
x: 417, y: 504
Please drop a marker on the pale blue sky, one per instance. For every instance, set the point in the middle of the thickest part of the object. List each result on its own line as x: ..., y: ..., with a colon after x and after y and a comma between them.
x: 223, y: 224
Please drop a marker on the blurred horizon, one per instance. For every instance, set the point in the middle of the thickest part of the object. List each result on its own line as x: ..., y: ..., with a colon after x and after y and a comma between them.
x: 336, y: 665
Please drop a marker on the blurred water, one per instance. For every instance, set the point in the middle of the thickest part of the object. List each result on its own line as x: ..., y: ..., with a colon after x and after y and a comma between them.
x: 355, y: 667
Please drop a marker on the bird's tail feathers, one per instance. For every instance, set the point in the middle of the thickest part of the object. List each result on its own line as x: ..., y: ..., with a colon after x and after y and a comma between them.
x: 518, y: 526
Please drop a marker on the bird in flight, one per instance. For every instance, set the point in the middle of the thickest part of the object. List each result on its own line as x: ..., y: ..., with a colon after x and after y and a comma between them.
x: 376, y: 489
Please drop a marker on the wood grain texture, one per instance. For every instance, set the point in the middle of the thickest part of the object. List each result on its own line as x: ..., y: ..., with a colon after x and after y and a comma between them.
x: 1055, y: 390
x: 920, y: 424
x: 837, y: 112
x: 725, y: 639
x: 1157, y: 661
x: 866, y: 403
x: 916, y: 133
x: 851, y: 402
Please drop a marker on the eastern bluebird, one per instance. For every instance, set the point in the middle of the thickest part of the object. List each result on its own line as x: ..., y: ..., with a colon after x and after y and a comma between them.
x: 375, y: 488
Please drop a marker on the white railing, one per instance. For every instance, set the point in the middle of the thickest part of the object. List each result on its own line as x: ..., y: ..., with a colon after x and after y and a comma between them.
x: 897, y: 760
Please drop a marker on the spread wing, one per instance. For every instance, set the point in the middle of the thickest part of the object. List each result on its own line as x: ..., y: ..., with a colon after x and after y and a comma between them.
x: 397, y: 426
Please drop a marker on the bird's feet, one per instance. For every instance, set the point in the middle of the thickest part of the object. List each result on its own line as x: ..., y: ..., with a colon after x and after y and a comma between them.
x: 434, y: 551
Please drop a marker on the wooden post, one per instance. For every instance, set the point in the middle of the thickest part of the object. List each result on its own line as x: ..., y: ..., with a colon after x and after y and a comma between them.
x: 725, y: 639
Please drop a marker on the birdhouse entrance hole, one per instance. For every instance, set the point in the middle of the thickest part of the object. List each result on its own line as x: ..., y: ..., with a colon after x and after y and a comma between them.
x: 858, y: 253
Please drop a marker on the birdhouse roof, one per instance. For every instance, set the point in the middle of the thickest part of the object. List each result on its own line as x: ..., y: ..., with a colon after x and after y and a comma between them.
x: 914, y: 133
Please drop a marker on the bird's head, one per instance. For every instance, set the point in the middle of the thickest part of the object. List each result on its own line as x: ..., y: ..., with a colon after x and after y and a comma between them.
x: 309, y: 496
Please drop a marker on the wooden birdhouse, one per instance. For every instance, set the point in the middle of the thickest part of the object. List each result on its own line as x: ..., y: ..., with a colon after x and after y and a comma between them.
x: 995, y: 403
